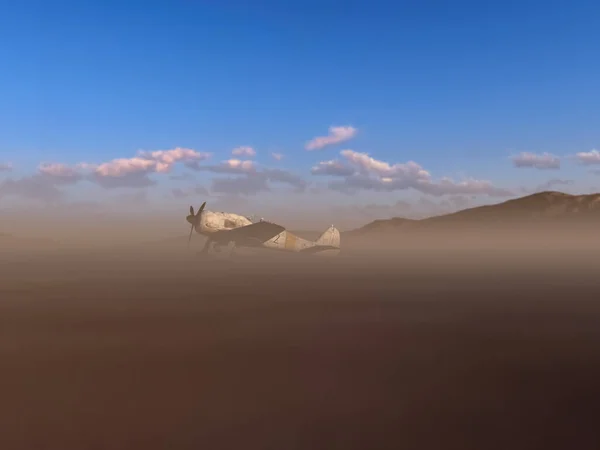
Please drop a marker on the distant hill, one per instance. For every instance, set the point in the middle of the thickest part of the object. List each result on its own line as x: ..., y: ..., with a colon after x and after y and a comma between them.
x: 536, y: 209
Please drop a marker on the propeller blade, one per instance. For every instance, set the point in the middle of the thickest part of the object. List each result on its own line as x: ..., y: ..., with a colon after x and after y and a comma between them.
x: 194, y: 219
x: 190, y: 236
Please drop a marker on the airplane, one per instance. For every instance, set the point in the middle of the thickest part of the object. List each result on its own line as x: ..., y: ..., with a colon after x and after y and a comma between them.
x: 233, y: 230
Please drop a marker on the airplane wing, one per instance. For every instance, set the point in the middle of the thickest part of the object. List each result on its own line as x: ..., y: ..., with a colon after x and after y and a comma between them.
x: 257, y: 232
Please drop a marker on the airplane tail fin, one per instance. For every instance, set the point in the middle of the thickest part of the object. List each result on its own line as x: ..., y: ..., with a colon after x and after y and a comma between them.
x: 330, y: 238
x: 327, y: 244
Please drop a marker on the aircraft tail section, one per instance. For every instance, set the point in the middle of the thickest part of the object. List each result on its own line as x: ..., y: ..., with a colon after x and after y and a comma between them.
x: 328, y: 243
x: 330, y: 239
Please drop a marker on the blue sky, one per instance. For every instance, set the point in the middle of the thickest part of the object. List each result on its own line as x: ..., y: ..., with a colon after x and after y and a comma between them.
x: 458, y: 87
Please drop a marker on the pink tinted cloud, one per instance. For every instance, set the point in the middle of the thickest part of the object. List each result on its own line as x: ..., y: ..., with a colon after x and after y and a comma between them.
x: 363, y: 172
x: 588, y: 158
x: 336, y: 135
x: 244, y: 151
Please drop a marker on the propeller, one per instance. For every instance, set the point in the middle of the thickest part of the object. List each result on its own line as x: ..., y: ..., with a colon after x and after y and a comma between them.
x: 194, y: 219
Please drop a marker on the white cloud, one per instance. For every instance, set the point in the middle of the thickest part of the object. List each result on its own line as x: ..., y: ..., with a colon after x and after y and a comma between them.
x: 164, y: 159
x: 133, y: 172
x: 332, y: 167
x: 368, y: 165
x: 588, y: 158
x: 124, y: 166
x: 6, y: 167
x: 536, y: 161
x: 336, y: 135
x: 368, y: 173
x: 277, y: 156
x: 234, y: 166
x: 245, y: 151
x: 156, y: 161
x: 122, y: 172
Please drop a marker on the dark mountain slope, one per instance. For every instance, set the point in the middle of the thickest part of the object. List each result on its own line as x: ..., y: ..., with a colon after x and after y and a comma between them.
x: 544, y: 208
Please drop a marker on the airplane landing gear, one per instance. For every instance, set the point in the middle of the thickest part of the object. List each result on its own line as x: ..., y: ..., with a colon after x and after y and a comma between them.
x: 217, y: 249
x: 208, y: 246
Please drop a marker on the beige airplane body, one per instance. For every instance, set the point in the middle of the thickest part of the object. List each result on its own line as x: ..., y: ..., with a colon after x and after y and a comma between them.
x: 224, y: 229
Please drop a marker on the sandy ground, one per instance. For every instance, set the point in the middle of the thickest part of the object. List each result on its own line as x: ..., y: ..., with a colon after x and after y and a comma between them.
x: 414, y: 351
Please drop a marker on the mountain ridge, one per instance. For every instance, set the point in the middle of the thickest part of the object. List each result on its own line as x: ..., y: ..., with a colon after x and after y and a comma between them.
x: 542, y: 207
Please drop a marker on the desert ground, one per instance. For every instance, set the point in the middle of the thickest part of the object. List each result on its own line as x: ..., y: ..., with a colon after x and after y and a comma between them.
x: 426, y: 348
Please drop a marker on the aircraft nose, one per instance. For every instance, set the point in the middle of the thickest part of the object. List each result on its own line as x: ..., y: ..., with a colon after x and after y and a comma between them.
x: 190, y: 219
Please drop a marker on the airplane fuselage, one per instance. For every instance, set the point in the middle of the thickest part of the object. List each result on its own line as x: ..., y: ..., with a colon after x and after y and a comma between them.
x: 211, y: 221
x: 288, y: 241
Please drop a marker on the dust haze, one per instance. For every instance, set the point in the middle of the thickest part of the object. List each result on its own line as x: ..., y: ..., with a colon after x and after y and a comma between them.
x: 464, y: 336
